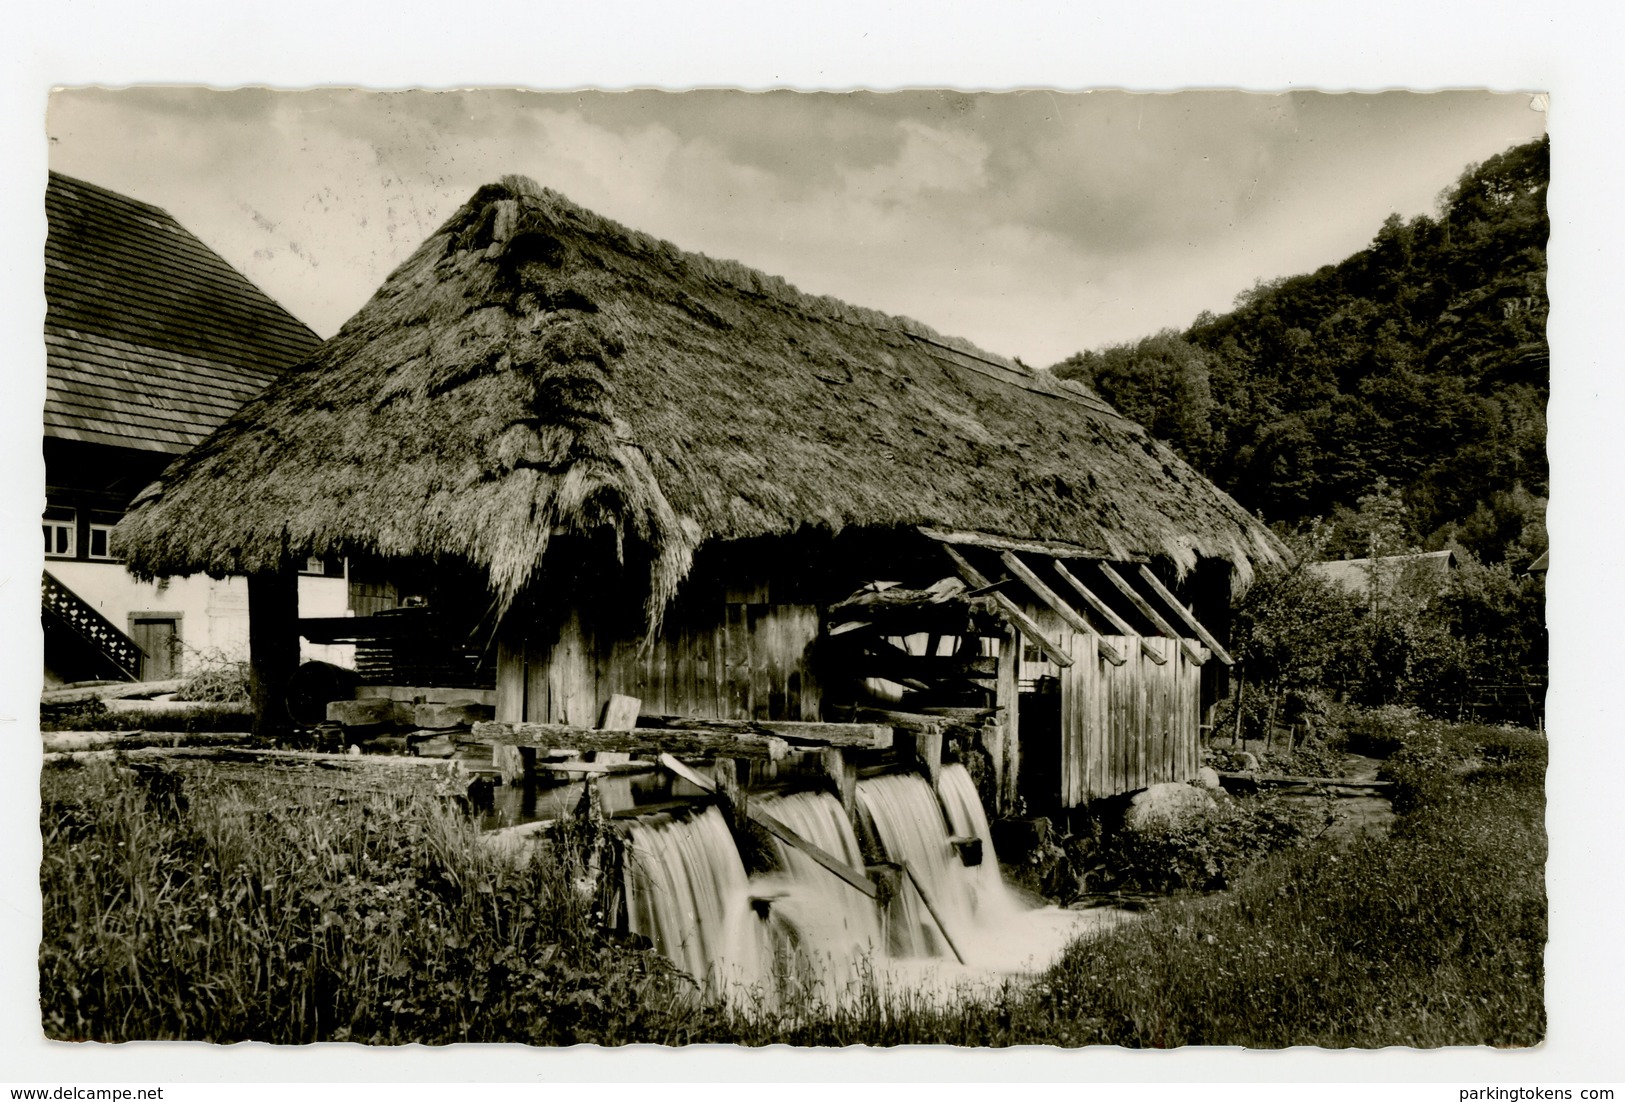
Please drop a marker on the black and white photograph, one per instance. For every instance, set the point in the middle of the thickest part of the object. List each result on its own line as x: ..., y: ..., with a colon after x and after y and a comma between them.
x: 713, y: 567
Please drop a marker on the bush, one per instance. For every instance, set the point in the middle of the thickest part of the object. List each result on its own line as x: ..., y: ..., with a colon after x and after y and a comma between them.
x: 216, y: 681
x: 1207, y: 853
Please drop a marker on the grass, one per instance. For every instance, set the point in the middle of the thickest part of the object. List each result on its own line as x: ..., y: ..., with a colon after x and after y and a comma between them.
x: 185, y: 906
x: 177, y: 906
x: 94, y: 715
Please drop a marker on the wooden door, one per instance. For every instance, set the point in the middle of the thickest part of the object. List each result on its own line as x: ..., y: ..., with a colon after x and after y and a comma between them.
x: 158, y: 638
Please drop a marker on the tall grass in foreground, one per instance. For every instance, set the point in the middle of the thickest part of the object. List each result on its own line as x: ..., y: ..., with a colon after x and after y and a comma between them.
x: 197, y: 908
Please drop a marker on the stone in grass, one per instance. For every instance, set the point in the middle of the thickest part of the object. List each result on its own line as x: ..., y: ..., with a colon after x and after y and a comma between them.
x: 372, y: 712
x: 444, y: 717
x: 1169, y: 804
x: 1207, y: 777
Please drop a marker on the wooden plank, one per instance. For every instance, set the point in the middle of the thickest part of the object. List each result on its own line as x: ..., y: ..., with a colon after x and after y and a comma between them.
x: 1104, y: 610
x: 1150, y: 613
x: 1184, y: 614
x: 931, y: 906
x: 620, y: 713
x: 1066, y: 612
x: 510, y: 702
x: 1009, y: 608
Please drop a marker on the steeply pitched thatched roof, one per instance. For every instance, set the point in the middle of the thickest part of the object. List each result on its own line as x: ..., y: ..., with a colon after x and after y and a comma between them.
x: 535, y: 369
x: 151, y: 339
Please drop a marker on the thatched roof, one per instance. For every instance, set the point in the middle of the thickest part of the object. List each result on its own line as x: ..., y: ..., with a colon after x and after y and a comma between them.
x: 535, y: 369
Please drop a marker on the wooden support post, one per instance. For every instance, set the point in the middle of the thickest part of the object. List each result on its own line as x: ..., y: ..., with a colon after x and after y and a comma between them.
x: 1008, y: 698
x: 1073, y: 618
x: 1184, y: 614
x: 273, y: 648
x: 509, y: 762
x: 928, y: 754
x: 843, y: 778
x: 1156, y: 618
x: 1009, y: 609
x: 725, y: 772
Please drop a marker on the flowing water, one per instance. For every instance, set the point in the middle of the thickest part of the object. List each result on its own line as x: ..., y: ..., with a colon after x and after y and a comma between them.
x: 943, y: 925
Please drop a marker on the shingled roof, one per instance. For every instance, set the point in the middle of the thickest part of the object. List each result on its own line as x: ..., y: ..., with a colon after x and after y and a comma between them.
x: 535, y: 369
x: 151, y: 339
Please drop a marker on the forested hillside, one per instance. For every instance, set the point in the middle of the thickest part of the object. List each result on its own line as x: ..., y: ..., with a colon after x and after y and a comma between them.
x: 1420, y: 361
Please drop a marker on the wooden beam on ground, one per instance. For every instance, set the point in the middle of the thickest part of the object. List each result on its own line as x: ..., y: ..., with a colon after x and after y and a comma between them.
x: 1162, y: 625
x: 1011, y: 610
x: 854, y: 877
x: 1066, y: 612
x: 1184, y: 614
x: 1104, y: 610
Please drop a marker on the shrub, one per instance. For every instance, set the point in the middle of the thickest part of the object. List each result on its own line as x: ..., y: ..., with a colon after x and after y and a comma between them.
x: 216, y: 680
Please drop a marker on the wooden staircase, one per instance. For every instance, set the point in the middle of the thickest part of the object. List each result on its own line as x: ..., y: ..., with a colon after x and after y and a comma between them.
x: 66, y: 610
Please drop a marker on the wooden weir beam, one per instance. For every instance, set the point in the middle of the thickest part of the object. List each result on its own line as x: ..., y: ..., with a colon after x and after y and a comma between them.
x: 1151, y: 614
x: 1184, y: 614
x: 769, y: 740
x: 1009, y: 608
x: 1066, y: 612
x: 1092, y: 599
x: 854, y: 877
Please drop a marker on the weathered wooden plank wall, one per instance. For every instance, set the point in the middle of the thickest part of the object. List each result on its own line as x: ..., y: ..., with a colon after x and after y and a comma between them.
x: 734, y: 653
x: 1125, y: 727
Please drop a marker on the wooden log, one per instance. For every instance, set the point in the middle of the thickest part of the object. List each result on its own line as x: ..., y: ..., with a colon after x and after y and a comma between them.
x: 873, y: 736
x: 1324, y: 782
x: 1071, y: 616
x: 841, y: 869
x: 1184, y: 614
x: 1011, y: 611
x: 1150, y: 613
x: 600, y: 768
x: 690, y: 743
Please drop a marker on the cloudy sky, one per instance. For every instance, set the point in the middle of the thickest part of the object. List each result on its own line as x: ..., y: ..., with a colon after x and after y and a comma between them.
x: 1034, y: 223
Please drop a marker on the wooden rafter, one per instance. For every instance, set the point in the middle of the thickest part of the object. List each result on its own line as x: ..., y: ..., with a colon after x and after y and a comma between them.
x: 1162, y: 625
x: 1184, y: 614
x: 1105, y: 611
x: 1009, y: 608
x: 1065, y: 611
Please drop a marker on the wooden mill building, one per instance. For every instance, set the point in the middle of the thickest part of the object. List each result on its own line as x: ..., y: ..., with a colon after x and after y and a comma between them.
x: 608, y: 466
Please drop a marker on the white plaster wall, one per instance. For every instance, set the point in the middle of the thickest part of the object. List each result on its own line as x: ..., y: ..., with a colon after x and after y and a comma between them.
x: 214, y: 614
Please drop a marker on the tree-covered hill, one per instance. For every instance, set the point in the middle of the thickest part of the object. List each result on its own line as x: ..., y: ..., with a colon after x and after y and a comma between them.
x: 1421, y: 360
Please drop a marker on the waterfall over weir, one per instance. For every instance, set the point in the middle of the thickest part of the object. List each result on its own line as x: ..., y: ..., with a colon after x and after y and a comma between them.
x: 939, y: 922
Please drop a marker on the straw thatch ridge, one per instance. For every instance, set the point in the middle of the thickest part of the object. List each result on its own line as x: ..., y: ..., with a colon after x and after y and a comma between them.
x: 534, y: 369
